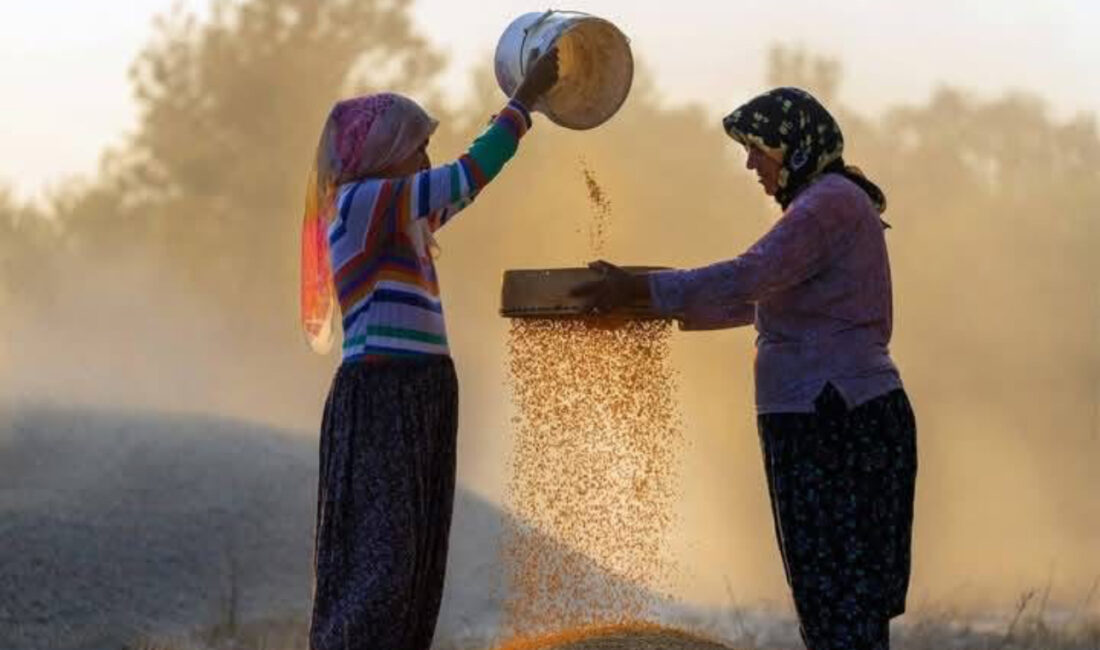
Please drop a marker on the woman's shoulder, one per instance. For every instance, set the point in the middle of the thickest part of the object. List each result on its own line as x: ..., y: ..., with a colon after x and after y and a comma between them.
x: 357, y: 202
x: 835, y: 187
x: 837, y: 196
x: 355, y: 194
x: 367, y: 185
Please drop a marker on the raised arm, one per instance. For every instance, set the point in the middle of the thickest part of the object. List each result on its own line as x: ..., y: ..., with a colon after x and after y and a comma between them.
x: 438, y: 194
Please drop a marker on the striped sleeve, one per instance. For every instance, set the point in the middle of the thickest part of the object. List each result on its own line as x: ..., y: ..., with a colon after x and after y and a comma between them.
x: 438, y: 194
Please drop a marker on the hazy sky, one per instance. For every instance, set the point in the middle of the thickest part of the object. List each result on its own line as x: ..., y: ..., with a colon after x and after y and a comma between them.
x: 63, y: 63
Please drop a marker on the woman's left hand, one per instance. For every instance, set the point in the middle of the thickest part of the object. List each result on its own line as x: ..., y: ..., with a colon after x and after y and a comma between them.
x: 540, y: 78
x: 616, y: 288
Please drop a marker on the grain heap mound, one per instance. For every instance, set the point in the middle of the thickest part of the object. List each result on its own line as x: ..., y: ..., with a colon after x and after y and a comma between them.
x: 618, y: 637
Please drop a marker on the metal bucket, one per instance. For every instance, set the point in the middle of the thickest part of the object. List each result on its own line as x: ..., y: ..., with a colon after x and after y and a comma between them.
x: 545, y: 293
x: 596, y: 66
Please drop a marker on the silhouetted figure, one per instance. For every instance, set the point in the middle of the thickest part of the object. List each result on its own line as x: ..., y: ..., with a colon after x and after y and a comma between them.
x: 836, y: 428
x: 388, y: 437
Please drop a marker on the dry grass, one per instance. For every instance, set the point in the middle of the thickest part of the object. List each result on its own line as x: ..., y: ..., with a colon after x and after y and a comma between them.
x: 1033, y: 625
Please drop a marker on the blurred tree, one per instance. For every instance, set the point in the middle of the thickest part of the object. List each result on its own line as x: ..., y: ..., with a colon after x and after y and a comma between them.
x: 212, y: 180
x: 27, y: 239
x: 795, y: 66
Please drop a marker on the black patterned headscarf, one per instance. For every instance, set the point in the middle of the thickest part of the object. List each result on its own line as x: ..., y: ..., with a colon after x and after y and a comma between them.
x: 791, y: 127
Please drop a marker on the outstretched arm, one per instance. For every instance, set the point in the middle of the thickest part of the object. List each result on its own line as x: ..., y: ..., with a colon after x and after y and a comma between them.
x: 800, y: 245
x: 618, y: 287
x: 718, y: 316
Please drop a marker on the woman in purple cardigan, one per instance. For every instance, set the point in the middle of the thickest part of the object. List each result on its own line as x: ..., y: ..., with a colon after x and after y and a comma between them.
x: 836, y: 428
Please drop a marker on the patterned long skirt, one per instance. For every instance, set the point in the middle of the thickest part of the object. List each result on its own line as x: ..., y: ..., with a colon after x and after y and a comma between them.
x: 842, y: 484
x: 384, y: 500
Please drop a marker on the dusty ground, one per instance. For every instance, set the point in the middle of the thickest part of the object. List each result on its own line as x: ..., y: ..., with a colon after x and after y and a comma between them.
x: 195, y: 533
x: 119, y: 526
x: 116, y: 525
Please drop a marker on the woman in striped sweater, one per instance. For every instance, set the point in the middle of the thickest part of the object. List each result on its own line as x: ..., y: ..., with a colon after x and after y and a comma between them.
x: 387, y: 458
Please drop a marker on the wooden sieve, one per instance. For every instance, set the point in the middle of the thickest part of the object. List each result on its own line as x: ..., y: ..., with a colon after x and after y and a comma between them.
x: 544, y: 293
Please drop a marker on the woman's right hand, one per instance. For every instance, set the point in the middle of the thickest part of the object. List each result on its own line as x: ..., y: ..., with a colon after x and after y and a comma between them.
x: 615, y: 288
x: 540, y: 78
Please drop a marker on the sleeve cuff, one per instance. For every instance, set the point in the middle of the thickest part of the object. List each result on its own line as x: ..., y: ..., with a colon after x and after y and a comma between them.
x: 523, y: 111
x: 515, y: 118
x: 667, y: 291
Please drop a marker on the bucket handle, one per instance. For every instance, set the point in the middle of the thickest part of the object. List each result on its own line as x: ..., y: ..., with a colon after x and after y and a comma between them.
x: 526, y: 33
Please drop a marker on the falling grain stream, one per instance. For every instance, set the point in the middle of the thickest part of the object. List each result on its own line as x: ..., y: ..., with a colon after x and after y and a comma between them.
x: 593, y: 475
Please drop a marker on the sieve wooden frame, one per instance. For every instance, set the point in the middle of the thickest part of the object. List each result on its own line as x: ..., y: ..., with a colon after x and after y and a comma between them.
x: 544, y: 293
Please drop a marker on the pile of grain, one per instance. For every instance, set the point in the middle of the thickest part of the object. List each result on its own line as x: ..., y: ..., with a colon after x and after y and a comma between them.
x: 617, y: 637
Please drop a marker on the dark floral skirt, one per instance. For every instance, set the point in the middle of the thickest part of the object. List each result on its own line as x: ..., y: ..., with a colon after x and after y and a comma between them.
x: 384, y: 500
x: 842, y: 484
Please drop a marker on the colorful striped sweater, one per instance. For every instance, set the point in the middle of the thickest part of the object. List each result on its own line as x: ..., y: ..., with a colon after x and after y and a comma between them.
x: 382, y: 269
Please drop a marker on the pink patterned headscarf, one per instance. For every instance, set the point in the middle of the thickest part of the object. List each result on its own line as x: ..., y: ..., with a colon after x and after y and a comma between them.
x: 361, y: 138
